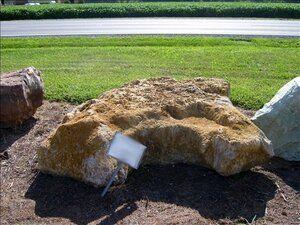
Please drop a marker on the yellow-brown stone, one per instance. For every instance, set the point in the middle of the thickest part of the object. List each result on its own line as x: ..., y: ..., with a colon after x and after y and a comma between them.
x: 179, y: 121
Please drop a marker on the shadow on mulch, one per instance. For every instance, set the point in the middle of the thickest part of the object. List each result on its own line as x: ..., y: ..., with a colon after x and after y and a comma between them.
x: 288, y: 171
x: 215, y: 197
x: 9, y: 135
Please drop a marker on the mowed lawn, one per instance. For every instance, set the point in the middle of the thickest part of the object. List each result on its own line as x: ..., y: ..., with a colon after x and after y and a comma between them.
x: 78, y: 69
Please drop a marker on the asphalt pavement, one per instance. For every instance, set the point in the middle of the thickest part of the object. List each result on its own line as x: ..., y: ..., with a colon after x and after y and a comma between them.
x: 140, y: 26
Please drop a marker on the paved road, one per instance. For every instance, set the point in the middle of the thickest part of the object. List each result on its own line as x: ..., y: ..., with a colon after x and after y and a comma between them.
x: 123, y: 26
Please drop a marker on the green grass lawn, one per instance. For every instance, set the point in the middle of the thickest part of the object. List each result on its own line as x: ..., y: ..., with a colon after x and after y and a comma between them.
x: 77, y: 69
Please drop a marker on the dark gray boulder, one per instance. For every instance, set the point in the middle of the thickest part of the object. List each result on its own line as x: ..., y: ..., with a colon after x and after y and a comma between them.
x: 21, y: 93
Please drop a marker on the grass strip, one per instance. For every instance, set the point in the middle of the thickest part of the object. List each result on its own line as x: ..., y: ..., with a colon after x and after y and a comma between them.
x: 77, y: 69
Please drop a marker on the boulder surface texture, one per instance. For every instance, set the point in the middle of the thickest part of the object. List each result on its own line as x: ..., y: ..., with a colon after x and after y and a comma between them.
x: 21, y: 93
x: 180, y: 122
x: 280, y: 121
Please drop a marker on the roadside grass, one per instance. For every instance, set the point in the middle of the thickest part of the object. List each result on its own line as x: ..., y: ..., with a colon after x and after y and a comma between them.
x: 80, y: 68
x: 152, y: 9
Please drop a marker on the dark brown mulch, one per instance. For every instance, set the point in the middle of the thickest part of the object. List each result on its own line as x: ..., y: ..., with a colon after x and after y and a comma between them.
x: 174, y: 194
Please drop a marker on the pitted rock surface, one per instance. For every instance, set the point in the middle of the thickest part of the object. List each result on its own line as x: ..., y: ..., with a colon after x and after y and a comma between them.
x: 189, y: 121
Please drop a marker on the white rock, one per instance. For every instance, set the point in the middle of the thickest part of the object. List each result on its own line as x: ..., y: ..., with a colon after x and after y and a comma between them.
x: 280, y: 121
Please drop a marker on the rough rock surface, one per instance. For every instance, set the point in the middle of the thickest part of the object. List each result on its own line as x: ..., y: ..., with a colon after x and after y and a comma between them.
x: 21, y: 93
x: 280, y: 121
x: 189, y: 122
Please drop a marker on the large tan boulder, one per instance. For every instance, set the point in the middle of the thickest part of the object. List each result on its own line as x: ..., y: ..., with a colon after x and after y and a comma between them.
x: 21, y: 93
x: 180, y: 122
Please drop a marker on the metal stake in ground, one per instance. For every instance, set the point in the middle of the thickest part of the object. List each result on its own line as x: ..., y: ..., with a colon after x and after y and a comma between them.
x: 120, y: 165
x: 126, y: 151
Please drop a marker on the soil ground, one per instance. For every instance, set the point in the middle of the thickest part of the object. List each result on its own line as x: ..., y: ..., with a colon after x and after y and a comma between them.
x: 174, y: 194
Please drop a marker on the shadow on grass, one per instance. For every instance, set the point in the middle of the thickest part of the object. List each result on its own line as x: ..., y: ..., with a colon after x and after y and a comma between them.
x: 215, y: 197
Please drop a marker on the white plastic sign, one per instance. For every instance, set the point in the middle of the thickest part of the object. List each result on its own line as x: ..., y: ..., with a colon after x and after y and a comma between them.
x: 126, y: 150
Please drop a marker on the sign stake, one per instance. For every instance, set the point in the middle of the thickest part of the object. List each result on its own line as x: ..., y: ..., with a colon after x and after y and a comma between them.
x: 126, y: 151
x: 112, y: 178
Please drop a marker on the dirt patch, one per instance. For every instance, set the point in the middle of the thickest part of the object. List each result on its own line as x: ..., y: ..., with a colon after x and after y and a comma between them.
x: 174, y: 194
